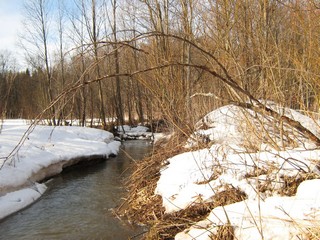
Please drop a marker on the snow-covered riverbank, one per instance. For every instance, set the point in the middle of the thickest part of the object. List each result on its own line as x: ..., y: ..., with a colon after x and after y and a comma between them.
x: 275, y: 168
x: 44, y: 152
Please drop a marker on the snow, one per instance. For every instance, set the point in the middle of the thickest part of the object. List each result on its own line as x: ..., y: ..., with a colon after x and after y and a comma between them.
x: 158, y: 138
x: 17, y: 200
x: 30, y: 154
x: 197, y: 176
x: 274, y: 218
x: 138, y: 132
x: 141, y: 132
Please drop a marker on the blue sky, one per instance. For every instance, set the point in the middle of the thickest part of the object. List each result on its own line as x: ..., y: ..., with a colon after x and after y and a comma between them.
x: 11, y: 18
x: 10, y: 25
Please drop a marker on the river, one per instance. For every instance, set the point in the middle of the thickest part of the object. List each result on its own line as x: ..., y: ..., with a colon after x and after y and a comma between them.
x: 77, y: 203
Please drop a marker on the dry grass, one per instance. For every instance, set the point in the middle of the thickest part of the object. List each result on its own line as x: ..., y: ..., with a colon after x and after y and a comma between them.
x: 313, y: 233
x: 291, y: 184
x: 171, y: 224
x: 141, y: 206
x: 268, y: 130
x: 225, y: 232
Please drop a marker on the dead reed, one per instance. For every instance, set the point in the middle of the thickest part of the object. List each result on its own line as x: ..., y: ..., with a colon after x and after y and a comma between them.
x: 142, y: 206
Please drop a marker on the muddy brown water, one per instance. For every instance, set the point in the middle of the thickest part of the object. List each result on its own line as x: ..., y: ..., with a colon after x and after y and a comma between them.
x: 77, y: 203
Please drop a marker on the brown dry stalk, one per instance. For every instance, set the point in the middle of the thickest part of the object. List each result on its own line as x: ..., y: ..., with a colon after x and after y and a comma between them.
x: 142, y: 206
x: 171, y: 224
x: 264, y: 110
x: 225, y: 232
x: 291, y: 184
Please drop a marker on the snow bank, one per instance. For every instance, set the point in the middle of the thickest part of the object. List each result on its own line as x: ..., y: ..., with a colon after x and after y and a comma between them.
x: 44, y: 153
x: 159, y: 138
x: 186, y: 180
x: 197, y: 176
x: 138, y: 132
x: 221, y: 125
x: 17, y: 200
x: 275, y: 218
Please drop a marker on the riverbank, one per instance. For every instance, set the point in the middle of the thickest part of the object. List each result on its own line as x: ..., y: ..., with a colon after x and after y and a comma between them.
x: 31, y: 154
x: 78, y: 202
x: 240, y: 175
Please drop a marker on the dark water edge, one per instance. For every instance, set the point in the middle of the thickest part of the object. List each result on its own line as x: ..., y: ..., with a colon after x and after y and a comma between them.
x: 77, y: 203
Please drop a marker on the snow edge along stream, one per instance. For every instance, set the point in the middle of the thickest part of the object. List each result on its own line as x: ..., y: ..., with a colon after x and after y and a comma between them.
x: 46, y: 153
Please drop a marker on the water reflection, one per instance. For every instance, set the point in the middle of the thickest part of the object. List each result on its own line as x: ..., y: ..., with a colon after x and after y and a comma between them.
x: 77, y: 204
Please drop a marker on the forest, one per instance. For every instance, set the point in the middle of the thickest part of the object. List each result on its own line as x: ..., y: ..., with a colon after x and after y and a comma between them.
x: 135, y: 61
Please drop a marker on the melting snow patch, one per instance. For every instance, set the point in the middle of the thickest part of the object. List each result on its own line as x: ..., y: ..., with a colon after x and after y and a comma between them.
x: 44, y: 152
x: 230, y: 160
x: 17, y: 200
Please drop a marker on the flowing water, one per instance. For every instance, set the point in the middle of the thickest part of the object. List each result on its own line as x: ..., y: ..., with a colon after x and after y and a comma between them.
x: 77, y: 203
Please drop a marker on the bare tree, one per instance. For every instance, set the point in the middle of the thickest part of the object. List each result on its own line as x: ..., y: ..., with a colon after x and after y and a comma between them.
x: 79, y: 62
x: 35, y: 41
x: 187, y: 21
x: 61, y: 28
x: 118, y: 98
x: 8, y: 75
x: 94, y: 37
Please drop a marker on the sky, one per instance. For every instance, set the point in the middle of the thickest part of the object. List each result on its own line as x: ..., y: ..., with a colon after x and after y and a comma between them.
x: 10, y: 25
